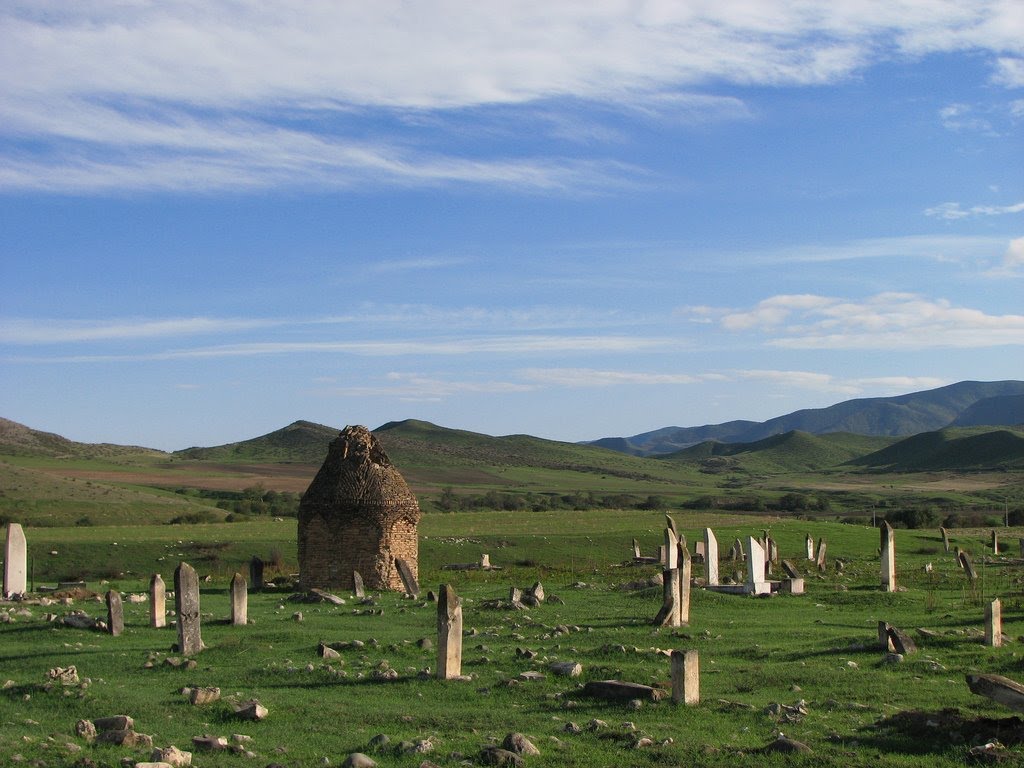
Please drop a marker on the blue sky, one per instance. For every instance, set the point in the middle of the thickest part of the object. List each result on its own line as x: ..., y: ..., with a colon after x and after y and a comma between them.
x: 571, y: 220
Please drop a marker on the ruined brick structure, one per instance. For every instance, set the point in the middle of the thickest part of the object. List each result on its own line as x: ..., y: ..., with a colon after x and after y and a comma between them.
x: 358, y: 514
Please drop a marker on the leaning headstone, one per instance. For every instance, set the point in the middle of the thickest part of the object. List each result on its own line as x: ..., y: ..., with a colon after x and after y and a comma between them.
x: 157, y: 601
x: 820, y: 559
x: 945, y: 538
x: 884, y: 641
x: 186, y: 605
x: 671, y: 525
x: 408, y: 577
x: 810, y: 547
x: 965, y: 563
x: 115, y: 613
x: 888, y: 546
x: 668, y: 616
x: 994, y: 624
x: 710, y: 558
x: 790, y: 569
x: 358, y: 589
x: 15, y: 561
x: 239, y: 600
x: 636, y: 549
x: 902, y: 642
x: 685, y: 677
x: 449, y: 634
x: 756, y: 583
x: 256, y: 573
x: 671, y: 549
x: 685, y: 574
x: 1001, y: 690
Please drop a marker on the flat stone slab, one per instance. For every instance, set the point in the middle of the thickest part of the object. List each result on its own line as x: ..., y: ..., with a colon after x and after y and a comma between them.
x: 617, y: 690
x: 1001, y: 690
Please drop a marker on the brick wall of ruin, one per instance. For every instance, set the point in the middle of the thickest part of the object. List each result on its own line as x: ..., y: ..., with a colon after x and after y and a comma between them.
x: 332, y: 547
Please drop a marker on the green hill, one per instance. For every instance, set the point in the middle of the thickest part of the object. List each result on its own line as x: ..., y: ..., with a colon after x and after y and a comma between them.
x: 793, y: 451
x: 301, y: 442
x: 18, y: 440
x: 980, y: 448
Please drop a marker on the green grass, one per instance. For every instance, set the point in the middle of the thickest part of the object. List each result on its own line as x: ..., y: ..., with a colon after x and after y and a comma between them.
x: 753, y: 652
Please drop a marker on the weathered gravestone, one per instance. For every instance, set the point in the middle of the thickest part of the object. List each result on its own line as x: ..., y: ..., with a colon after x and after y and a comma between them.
x: 157, y: 602
x: 449, y: 633
x: 710, y: 558
x: 685, y: 666
x: 945, y: 538
x: 256, y: 573
x: 888, y: 548
x: 965, y: 563
x: 358, y: 514
x: 358, y: 589
x: 994, y: 624
x: 810, y: 547
x: 15, y: 561
x: 685, y: 575
x: 115, y: 613
x: 820, y: 559
x: 186, y: 605
x: 1001, y: 690
x: 668, y: 616
x: 239, y: 601
x: 756, y: 583
x: 995, y: 543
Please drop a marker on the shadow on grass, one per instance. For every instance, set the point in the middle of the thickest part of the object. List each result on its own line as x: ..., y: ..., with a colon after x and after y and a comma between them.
x: 918, y: 732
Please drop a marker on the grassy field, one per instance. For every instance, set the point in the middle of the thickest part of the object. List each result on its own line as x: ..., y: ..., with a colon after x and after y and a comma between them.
x: 755, y: 653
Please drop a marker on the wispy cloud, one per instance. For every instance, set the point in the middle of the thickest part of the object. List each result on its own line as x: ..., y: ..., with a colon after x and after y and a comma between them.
x: 817, y: 381
x: 590, y: 377
x: 884, y: 321
x: 954, y: 211
x: 23, y: 331
x: 232, y: 96
x: 420, y: 387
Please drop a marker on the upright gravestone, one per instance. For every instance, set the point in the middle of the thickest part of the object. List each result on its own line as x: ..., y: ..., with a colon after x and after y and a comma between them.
x: 449, y: 633
x: 888, y: 548
x: 256, y: 573
x: 994, y: 624
x: 685, y: 677
x: 710, y: 558
x: 810, y: 547
x: 820, y: 559
x: 636, y: 549
x: 685, y: 574
x: 15, y: 561
x: 186, y: 605
x: 157, y: 602
x: 995, y: 543
x: 408, y: 577
x: 115, y: 613
x: 756, y: 583
x: 945, y: 539
x: 358, y: 589
x: 239, y: 601
x: 668, y: 616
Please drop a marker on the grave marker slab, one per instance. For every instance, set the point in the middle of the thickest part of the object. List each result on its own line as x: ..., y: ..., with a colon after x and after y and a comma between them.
x: 710, y: 558
x: 945, y: 538
x: 685, y: 576
x: 756, y: 583
x: 965, y: 563
x: 408, y: 578
x: 239, y: 601
x: 820, y: 559
x: 358, y: 589
x: 15, y: 561
x: 888, y: 547
x: 994, y: 624
x: 186, y: 605
x: 115, y: 613
x: 157, y: 601
x: 449, y: 633
x: 256, y: 573
x: 810, y: 547
x: 685, y: 667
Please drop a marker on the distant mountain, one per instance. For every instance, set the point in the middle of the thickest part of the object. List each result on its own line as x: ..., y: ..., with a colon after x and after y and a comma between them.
x: 978, y: 448
x: 1007, y: 410
x: 878, y: 416
x: 18, y: 440
x: 301, y: 442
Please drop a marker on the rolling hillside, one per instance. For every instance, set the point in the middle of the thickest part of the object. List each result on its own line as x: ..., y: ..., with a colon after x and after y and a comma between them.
x: 18, y: 440
x: 301, y: 442
x: 980, y: 448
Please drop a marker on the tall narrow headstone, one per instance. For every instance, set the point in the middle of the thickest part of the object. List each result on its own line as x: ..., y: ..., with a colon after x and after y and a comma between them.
x: 186, y: 605
x: 710, y: 558
x: 685, y: 677
x: 671, y: 525
x: 888, y: 548
x: 409, y: 582
x: 772, y: 550
x: 756, y: 583
x: 636, y: 549
x: 994, y: 624
x: 810, y: 547
x: 945, y: 538
x: 358, y: 589
x: 995, y: 543
x: 965, y: 563
x: 671, y: 549
x: 685, y: 575
x: 239, y: 601
x: 820, y: 559
x: 256, y: 573
x: 15, y: 561
x: 668, y: 616
x: 449, y: 633
x: 157, y: 601
x: 115, y: 613
x: 884, y: 639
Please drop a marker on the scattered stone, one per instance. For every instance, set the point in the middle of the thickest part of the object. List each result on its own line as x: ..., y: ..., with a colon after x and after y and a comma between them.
x: 617, y: 690
x: 786, y: 745
x: 203, y: 695
x: 210, y: 743
x: 171, y: 756
x: 86, y: 729
x: 500, y: 757
x: 251, y: 710
x: 518, y: 743
x: 566, y: 668
x: 358, y: 760
x: 64, y: 675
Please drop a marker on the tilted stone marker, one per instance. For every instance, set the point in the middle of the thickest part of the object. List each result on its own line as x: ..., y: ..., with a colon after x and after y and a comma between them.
x: 256, y: 573
x: 790, y: 569
x: 115, y: 613
x: 994, y: 624
x: 888, y: 547
x: 636, y: 549
x: 710, y: 558
x: 239, y: 601
x: 820, y: 559
x: 449, y: 633
x: 685, y: 667
x: 671, y: 525
x: 186, y: 605
x: 945, y: 538
x: 668, y: 616
x: 884, y: 641
x: 358, y: 589
x: 965, y: 563
x: 409, y: 582
x: 157, y: 601
x: 1001, y: 690
x: 15, y: 561
x: 902, y: 642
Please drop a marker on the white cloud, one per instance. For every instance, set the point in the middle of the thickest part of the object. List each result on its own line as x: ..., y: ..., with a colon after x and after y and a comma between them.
x: 852, y: 387
x: 884, y: 321
x: 180, y: 95
x: 15, y: 331
x: 590, y: 377
x: 1009, y: 72
x: 1013, y: 260
x: 419, y: 387
x: 954, y: 211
